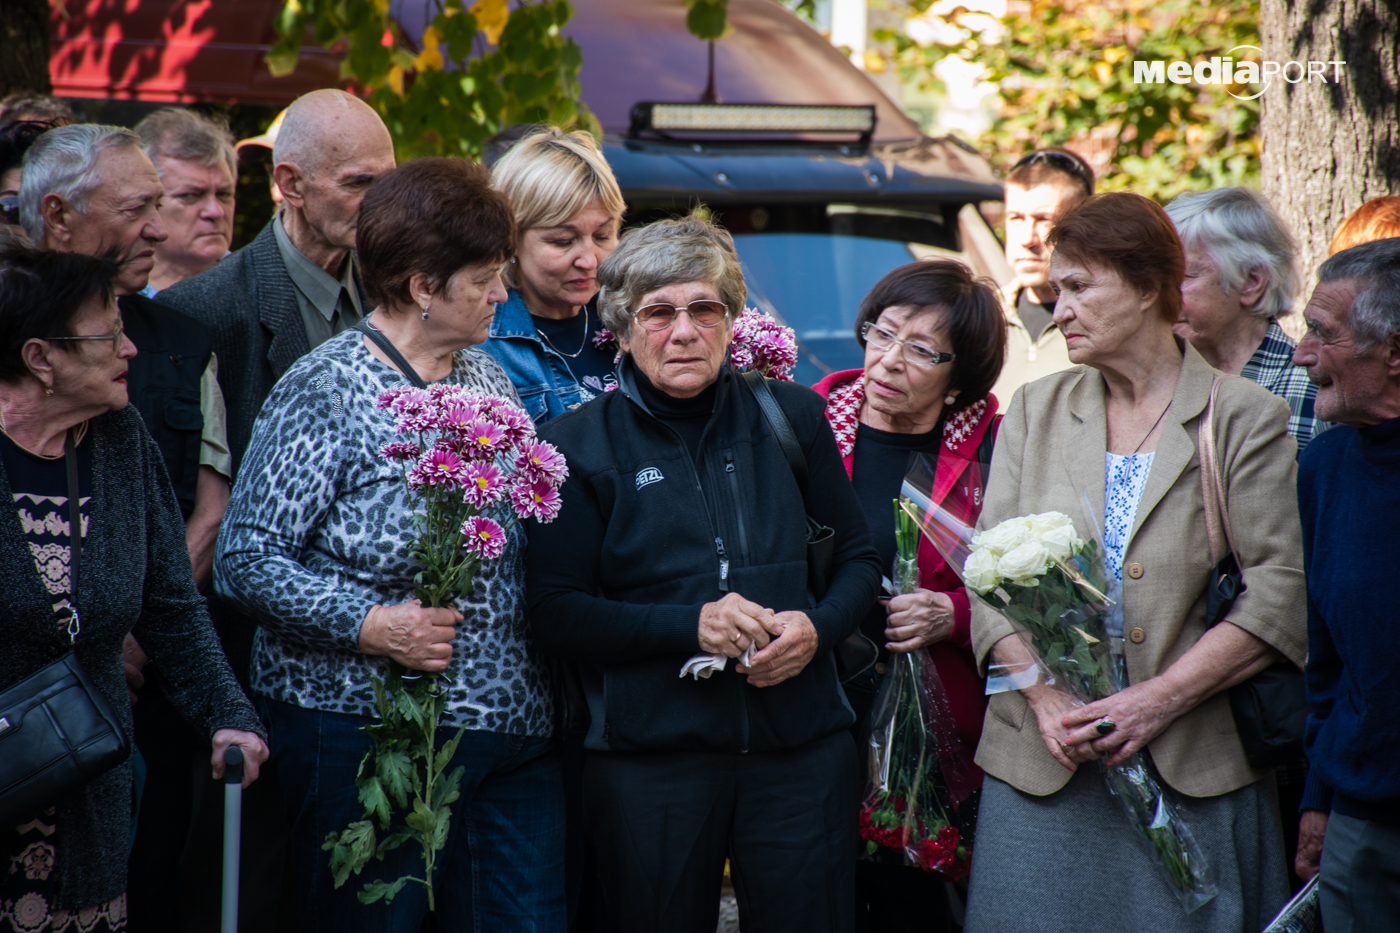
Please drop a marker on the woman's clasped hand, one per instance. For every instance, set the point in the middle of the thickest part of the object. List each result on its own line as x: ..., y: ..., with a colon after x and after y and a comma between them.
x: 417, y: 636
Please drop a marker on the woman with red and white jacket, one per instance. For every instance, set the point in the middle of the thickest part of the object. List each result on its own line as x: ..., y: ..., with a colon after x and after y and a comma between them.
x: 934, y: 339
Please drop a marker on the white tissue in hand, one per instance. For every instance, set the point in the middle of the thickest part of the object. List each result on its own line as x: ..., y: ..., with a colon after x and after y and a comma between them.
x: 703, y: 665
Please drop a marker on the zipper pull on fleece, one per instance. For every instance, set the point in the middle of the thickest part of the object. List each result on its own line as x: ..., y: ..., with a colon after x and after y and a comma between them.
x: 723, y: 565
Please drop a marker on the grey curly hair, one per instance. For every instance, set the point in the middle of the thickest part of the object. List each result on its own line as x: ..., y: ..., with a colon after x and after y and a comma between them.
x: 668, y: 252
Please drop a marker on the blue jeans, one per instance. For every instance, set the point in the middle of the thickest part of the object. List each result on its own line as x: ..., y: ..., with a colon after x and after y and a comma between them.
x: 502, y: 868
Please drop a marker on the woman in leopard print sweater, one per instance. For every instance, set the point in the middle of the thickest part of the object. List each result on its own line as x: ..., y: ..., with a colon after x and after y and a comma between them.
x: 316, y: 543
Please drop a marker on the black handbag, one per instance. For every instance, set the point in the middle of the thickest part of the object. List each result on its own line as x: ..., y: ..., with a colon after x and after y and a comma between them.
x: 56, y: 730
x: 857, y: 652
x: 1271, y: 708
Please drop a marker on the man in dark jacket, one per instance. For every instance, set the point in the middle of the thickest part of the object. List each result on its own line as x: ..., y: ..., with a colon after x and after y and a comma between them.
x: 1350, y: 503
x: 682, y: 543
x: 296, y: 284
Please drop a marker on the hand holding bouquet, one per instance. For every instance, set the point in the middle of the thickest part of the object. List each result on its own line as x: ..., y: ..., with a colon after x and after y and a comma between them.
x: 921, y: 798
x: 473, y: 469
x: 1049, y: 582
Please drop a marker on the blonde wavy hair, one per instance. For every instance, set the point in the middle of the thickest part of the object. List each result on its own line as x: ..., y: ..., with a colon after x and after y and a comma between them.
x: 549, y: 176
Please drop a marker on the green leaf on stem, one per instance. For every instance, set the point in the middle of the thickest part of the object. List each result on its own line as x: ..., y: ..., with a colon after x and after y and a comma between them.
x: 394, y: 769
x: 375, y: 890
x: 376, y: 803
x: 350, y: 851
x: 449, y: 748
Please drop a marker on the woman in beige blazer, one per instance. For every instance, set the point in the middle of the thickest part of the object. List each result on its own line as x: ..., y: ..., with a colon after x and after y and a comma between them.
x: 1055, y: 851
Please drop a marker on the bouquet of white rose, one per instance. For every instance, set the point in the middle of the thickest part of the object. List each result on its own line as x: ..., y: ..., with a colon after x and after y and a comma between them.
x: 1041, y: 575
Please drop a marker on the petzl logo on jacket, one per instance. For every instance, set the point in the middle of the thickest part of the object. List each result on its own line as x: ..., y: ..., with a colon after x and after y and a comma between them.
x: 648, y: 476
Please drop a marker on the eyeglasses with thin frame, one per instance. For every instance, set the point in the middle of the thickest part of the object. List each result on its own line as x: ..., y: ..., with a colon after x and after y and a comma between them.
x: 9, y: 209
x: 1062, y: 161
x: 658, y: 317
x: 115, y: 336
x: 916, y: 353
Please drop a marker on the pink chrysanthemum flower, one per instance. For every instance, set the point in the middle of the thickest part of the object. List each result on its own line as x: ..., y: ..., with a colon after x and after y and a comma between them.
x: 485, y: 537
x: 386, y: 398
x: 542, y: 461
x: 534, y: 498
x: 457, y: 416
x: 415, y: 412
x: 400, y: 452
x: 515, y: 423
x: 483, y: 439
x: 485, y: 484
x: 440, y: 467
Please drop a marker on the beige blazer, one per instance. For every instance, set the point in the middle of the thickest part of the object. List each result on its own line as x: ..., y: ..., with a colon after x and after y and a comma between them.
x: 1050, y: 450
x: 1027, y: 360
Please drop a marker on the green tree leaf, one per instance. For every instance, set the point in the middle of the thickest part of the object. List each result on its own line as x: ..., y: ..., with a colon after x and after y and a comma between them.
x: 375, y: 890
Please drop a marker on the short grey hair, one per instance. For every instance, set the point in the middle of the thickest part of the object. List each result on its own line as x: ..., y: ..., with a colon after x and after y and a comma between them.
x: 1239, y: 231
x: 1375, y: 268
x: 668, y: 252
x: 177, y: 133
x: 62, y: 162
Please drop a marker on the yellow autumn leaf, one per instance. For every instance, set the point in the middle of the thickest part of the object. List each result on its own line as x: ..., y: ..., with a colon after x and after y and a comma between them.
x: 1115, y: 55
x: 1103, y: 71
x: 396, y: 79
x: 491, y: 17
x: 874, y: 62
x: 430, y: 59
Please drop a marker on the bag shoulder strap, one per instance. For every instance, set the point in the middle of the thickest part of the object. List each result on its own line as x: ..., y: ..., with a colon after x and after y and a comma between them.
x: 391, y: 351
x: 1212, y: 486
x: 778, y: 421
x: 75, y: 533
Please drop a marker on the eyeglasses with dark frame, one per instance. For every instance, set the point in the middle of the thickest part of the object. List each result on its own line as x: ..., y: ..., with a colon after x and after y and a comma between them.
x: 1062, y: 161
x: 658, y: 317
x: 115, y: 336
x: 916, y: 353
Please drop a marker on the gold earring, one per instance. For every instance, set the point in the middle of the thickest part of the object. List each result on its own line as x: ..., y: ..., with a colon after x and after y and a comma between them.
x: 48, y: 392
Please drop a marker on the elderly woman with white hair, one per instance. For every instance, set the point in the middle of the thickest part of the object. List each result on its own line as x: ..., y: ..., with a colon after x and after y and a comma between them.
x: 1241, y: 277
x: 568, y: 209
x: 682, y: 535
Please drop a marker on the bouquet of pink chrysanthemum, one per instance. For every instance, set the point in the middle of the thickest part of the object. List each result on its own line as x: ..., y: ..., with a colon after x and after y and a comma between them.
x: 760, y: 343
x: 474, y: 469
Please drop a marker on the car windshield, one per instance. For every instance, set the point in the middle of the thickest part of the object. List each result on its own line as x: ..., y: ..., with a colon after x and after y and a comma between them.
x: 814, y: 282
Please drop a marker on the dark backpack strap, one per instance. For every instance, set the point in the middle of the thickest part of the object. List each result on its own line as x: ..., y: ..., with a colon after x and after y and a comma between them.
x: 778, y: 421
x: 391, y: 351
x: 75, y: 532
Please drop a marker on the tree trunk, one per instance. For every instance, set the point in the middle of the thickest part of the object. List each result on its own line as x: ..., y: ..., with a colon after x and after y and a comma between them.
x: 1328, y: 148
x: 24, y: 36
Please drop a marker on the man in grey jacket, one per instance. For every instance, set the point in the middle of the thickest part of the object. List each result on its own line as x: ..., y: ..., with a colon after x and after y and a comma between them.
x: 296, y: 285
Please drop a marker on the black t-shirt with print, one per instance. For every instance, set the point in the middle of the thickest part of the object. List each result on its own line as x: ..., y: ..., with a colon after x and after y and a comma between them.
x: 592, y: 368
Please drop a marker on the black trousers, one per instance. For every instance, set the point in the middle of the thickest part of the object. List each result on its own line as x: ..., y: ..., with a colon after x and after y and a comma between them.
x: 666, y: 821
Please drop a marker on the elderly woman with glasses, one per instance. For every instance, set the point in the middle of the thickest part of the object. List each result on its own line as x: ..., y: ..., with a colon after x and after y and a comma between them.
x: 66, y: 430
x: 681, y: 544
x: 934, y: 339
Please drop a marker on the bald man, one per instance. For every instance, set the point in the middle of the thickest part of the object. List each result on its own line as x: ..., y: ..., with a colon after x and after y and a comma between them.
x: 296, y: 285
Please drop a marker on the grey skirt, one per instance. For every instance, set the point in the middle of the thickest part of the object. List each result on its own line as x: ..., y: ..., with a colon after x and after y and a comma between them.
x: 1070, y: 861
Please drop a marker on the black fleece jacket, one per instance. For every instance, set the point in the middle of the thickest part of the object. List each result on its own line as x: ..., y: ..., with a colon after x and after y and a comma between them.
x: 647, y: 535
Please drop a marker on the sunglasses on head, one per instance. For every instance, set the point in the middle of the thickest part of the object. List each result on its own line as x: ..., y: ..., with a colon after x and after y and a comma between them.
x: 1069, y: 164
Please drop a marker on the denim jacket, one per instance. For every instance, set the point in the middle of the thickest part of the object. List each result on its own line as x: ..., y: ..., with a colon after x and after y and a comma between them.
x: 547, y: 388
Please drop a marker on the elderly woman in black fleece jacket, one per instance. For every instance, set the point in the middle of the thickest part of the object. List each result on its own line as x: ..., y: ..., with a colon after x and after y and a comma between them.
x: 682, y: 533
x: 63, y: 359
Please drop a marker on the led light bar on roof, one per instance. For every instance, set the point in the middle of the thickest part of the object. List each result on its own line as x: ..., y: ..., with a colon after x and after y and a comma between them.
x: 753, y: 118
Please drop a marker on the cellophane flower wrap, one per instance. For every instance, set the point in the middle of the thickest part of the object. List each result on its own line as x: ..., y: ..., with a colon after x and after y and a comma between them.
x: 921, y: 791
x: 473, y: 468
x: 1050, y: 583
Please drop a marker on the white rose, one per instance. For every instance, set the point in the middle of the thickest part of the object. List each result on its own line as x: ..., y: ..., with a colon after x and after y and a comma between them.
x: 1006, y: 536
x: 1044, y: 522
x: 1024, y: 562
x: 1060, y: 541
x: 980, y: 570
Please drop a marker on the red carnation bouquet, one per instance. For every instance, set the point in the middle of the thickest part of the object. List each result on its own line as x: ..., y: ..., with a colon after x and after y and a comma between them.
x: 922, y: 790
x: 474, y: 469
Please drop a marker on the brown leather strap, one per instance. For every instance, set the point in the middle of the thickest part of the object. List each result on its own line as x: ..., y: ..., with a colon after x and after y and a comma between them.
x: 1212, y: 487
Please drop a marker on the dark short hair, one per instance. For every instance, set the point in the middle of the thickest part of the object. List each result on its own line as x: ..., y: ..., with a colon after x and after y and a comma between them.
x: 1131, y: 235
x: 432, y: 217
x: 971, y: 313
x: 1052, y: 165
x: 16, y: 138
x: 41, y: 293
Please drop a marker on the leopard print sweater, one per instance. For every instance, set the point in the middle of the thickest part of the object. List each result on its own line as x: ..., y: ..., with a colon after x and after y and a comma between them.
x: 318, y: 531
